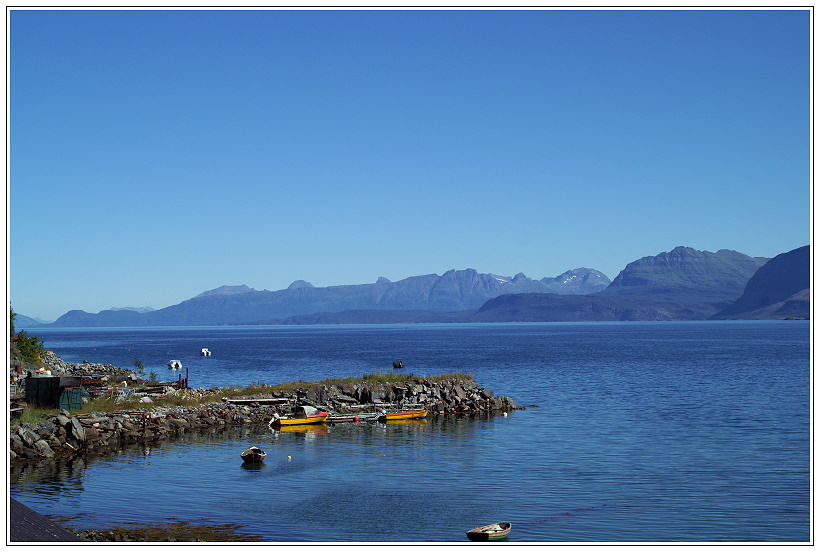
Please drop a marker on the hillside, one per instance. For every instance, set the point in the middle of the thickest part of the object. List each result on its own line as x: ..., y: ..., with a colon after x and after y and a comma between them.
x: 682, y: 284
x: 779, y: 289
x: 692, y: 284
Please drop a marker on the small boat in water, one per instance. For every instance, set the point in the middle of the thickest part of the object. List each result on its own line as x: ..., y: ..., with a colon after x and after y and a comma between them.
x: 404, y: 415
x: 397, y: 364
x: 174, y: 364
x: 253, y: 455
x: 495, y: 531
x: 301, y: 415
x: 204, y: 352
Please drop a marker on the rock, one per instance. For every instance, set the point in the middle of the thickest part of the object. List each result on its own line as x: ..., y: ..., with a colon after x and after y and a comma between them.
x: 77, y: 430
x: 43, y: 449
x: 91, y: 434
x: 345, y: 398
x: 28, y: 436
x: 146, y: 400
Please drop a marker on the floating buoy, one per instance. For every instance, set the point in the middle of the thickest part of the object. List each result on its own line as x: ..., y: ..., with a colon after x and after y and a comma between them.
x: 288, y: 458
x: 505, y: 414
x: 355, y: 419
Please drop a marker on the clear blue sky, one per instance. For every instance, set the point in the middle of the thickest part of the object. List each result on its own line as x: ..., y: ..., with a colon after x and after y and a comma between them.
x: 158, y: 154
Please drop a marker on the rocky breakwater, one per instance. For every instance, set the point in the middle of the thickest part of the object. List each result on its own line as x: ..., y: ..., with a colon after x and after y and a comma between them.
x: 57, y: 365
x: 66, y: 434
x: 438, y: 396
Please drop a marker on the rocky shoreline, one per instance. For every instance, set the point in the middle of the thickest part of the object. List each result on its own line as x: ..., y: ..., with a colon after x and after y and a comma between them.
x: 66, y: 434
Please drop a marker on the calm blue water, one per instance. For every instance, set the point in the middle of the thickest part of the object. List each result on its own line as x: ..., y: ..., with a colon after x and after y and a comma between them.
x: 644, y: 432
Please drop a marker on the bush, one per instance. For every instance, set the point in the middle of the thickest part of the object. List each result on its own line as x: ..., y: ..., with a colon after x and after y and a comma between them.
x: 31, y: 347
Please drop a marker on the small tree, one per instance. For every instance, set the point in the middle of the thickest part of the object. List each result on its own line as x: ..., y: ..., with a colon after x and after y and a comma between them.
x: 31, y: 347
x: 140, y: 368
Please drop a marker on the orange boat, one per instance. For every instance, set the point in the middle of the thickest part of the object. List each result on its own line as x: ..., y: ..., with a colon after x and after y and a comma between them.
x: 302, y: 415
x: 404, y: 415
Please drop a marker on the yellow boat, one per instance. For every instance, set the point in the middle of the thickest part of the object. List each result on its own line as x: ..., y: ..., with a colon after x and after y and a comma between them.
x: 405, y: 415
x: 302, y: 415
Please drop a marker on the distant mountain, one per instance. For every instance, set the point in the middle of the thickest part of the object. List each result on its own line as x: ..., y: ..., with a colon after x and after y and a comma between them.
x: 682, y: 284
x: 550, y: 307
x: 226, y: 290
x: 455, y: 290
x: 580, y: 281
x: 691, y: 284
x: 779, y: 289
x: 134, y: 309
x: 22, y: 322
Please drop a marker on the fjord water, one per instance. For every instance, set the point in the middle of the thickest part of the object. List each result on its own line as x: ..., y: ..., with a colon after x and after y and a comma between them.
x: 643, y: 432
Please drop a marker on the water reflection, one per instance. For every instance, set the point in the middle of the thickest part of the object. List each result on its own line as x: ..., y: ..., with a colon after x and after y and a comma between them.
x: 253, y: 466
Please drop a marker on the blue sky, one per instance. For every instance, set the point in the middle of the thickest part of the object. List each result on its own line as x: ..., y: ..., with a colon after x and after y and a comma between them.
x: 158, y: 154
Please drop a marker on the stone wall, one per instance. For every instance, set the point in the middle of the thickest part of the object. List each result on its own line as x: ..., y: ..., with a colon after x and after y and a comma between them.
x: 452, y: 396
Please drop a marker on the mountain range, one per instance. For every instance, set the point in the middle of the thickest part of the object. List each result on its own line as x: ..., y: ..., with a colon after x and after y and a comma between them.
x: 683, y: 284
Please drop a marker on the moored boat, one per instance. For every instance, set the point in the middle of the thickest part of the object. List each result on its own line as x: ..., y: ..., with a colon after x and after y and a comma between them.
x: 253, y: 455
x: 301, y: 415
x: 492, y: 532
x: 397, y: 364
x: 404, y: 415
x: 174, y: 364
x: 204, y: 352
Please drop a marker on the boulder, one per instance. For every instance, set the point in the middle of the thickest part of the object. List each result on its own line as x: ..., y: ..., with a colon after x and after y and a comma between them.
x: 77, y: 430
x: 28, y: 436
x: 91, y: 434
x: 17, y: 444
x: 341, y: 397
x: 43, y: 449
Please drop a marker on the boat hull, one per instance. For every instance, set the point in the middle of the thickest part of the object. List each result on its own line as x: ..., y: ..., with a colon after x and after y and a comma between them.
x: 253, y: 455
x: 494, y: 532
x: 317, y: 419
x: 406, y: 415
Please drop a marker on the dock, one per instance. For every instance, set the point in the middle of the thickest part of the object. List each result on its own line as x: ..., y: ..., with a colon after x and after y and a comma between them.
x: 276, y: 400
x: 342, y: 418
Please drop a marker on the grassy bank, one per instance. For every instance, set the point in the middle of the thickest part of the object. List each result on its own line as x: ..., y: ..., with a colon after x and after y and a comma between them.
x: 196, y: 397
